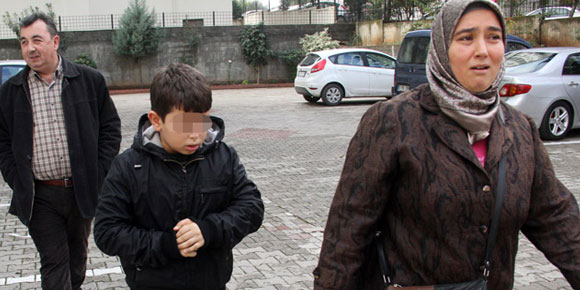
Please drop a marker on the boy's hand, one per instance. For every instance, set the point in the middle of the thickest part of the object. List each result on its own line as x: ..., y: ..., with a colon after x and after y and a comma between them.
x: 189, y: 237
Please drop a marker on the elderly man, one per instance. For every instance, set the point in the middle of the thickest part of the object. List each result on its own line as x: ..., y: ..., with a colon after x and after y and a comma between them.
x: 59, y: 131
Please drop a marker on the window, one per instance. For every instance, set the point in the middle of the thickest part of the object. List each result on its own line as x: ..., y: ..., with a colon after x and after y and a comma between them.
x: 414, y: 50
x: 310, y: 60
x: 349, y: 58
x: 381, y: 61
x: 515, y: 46
x: 10, y: 70
x: 572, y: 65
x: 524, y: 61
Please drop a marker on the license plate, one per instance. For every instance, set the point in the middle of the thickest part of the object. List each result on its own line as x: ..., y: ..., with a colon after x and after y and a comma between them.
x: 403, y: 88
x: 301, y: 73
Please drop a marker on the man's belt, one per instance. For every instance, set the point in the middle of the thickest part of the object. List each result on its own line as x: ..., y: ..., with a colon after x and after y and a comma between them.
x: 65, y: 182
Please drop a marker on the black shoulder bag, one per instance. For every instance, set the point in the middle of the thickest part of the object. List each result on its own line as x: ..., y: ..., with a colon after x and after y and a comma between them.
x: 478, y: 284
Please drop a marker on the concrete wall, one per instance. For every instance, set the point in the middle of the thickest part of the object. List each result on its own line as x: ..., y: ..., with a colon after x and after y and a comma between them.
x: 216, y: 47
x: 556, y: 32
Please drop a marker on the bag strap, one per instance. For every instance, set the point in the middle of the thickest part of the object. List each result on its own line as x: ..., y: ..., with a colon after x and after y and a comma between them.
x: 501, y: 176
x: 499, y: 197
x: 501, y: 179
x: 382, y: 258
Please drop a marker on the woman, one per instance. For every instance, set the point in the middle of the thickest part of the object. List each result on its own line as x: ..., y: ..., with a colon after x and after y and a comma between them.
x: 423, y: 168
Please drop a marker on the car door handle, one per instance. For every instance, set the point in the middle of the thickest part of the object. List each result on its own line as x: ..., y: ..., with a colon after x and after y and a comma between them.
x: 573, y: 84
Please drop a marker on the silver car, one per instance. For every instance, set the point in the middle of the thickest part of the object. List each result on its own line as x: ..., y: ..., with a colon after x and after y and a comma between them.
x: 10, y: 68
x: 544, y: 84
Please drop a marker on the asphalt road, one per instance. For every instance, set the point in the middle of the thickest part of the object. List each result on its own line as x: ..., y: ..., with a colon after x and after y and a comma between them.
x: 294, y: 152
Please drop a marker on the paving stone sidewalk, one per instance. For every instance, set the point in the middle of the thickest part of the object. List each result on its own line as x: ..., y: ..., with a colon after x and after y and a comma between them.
x: 294, y: 152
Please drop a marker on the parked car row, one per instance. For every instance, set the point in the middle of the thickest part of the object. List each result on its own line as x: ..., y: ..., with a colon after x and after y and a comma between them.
x: 544, y: 83
x: 410, y: 71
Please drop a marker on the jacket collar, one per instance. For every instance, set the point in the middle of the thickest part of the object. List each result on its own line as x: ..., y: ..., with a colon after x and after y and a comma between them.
x: 69, y: 70
x: 153, y: 145
x: 453, y: 136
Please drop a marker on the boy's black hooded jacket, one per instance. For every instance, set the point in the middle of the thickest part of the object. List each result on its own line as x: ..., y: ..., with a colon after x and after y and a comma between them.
x: 148, y: 191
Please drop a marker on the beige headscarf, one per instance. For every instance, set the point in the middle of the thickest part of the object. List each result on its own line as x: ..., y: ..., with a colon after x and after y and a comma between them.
x: 473, y: 112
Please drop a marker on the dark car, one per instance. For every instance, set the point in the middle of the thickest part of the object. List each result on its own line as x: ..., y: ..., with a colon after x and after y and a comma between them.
x: 410, y: 69
x: 10, y: 68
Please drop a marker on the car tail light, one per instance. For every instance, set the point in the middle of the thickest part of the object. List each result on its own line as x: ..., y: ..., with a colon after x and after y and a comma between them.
x: 318, y: 67
x: 510, y: 90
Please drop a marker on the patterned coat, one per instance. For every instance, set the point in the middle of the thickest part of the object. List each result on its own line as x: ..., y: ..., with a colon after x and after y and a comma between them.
x: 411, y: 173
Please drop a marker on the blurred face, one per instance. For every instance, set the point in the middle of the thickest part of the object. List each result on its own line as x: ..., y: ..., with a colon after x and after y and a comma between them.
x: 39, y: 48
x: 476, y: 50
x: 181, y: 132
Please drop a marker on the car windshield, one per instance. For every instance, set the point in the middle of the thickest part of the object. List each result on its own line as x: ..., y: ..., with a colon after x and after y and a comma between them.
x: 310, y: 60
x: 526, y: 61
x: 414, y: 50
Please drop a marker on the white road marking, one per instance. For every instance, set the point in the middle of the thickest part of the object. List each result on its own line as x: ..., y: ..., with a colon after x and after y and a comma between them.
x: 36, y: 278
x: 561, y: 143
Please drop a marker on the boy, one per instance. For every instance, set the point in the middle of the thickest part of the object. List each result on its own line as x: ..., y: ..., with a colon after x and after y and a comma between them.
x: 175, y: 204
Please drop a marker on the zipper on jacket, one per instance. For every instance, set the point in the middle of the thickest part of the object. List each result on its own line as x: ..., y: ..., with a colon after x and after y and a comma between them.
x: 184, y: 170
x: 184, y: 165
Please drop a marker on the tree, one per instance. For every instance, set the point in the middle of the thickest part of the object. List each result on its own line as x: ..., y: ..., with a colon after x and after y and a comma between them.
x: 13, y: 20
x: 137, y: 37
x: 284, y: 4
x: 255, y: 47
x: 574, y: 6
x: 236, y: 9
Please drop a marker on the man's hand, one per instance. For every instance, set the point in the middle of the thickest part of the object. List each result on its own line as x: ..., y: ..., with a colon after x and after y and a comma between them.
x: 189, y: 237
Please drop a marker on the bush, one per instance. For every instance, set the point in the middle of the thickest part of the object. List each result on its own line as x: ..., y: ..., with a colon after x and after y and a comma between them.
x: 318, y: 41
x: 291, y: 58
x: 86, y: 60
x: 255, y: 47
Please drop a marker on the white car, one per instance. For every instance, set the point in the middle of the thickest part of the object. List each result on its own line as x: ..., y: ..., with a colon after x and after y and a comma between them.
x: 10, y: 68
x: 544, y: 83
x: 556, y: 12
x: 345, y: 72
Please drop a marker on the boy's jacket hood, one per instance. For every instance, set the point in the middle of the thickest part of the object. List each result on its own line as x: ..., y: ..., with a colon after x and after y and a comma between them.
x: 148, y: 140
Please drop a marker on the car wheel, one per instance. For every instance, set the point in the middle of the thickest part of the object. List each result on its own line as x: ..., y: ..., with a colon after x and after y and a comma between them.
x: 332, y: 95
x: 556, y: 122
x: 311, y: 99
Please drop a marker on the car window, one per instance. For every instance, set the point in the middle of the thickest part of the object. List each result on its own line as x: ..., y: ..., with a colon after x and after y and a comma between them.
x: 572, y: 65
x: 310, y: 60
x: 524, y: 61
x: 349, y: 58
x: 10, y: 70
x: 515, y: 46
x: 559, y: 12
x: 414, y: 50
x: 381, y: 61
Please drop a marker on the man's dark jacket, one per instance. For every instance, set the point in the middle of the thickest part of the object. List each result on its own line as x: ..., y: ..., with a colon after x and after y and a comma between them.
x: 93, y: 131
x: 148, y: 191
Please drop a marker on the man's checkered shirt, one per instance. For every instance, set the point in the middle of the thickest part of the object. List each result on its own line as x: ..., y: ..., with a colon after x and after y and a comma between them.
x: 50, y: 158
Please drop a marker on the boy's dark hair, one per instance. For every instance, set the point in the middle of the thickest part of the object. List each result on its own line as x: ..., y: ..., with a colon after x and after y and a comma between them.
x: 28, y: 20
x: 180, y: 86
